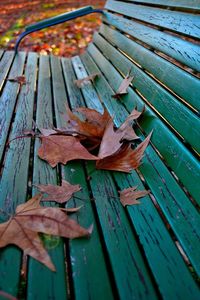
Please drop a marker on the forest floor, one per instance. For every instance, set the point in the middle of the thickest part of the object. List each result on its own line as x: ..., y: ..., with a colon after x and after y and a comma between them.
x: 67, y: 39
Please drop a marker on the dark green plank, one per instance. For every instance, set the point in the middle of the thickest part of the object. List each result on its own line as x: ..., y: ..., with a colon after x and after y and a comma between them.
x: 159, y: 98
x: 157, y: 242
x: 176, y: 207
x: 182, y: 83
x: 180, y: 22
x: 43, y: 283
x: 8, y: 99
x: 183, y: 51
x: 14, y: 179
x: 90, y: 274
x: 192, y: 4
x: 5, y: 64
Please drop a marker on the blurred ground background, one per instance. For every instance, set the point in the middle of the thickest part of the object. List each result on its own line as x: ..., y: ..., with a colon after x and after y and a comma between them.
x: 67, y: 39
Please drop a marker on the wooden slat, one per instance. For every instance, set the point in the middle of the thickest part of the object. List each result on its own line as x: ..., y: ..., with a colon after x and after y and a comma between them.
x: 182, y: 83
x: 8, y: 99
x: 43, y: 283
x: 151, y: 231
x: 91, y: 280
x: 159, y: 98
x: 1, y: 53
x: 183, y: 51
x: 176, y: 207
x: 179, y: 22
x: 14, y: 179
x: 192, y: 4
x: 5, y: 64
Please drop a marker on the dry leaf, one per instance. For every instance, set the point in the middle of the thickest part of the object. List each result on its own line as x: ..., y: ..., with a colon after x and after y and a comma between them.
x: 60, y: 194
x: 129, y: 196
x: 86, y: 80
x: 122, y: 90
x: 19, y: 79
x: 125, y: 159
x: 30, y: 219
x: 61, y: 149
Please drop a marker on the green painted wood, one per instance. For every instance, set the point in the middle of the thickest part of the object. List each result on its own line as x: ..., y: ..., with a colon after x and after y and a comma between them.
x: 177, y: 208
x: 8, y: 99
x: 14, y: 178
x: 156, y: 241
x: 91, y: 280
x: 192, y: 4
x: 182, y: 83
x: 132, y: 278
x: 166, y: 104
x: 183, y: 51
x: 5, y: 64
x: 1, y: 53
x: 180, y: 22
x: 43, y: 283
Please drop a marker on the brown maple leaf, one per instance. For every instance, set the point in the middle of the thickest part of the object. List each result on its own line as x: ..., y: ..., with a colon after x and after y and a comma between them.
x: 129, y: 196
x: 30, y: 219
x: 86, y: 80
x: 122, y: 90
x: 125, y: 158
x: 61, y: 149
x: 60, y: 194
x: 19, y: 79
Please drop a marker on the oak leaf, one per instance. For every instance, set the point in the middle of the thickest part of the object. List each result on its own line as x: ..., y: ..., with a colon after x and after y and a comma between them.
x: 30, y: 219
x: 125, y: 158
x: 19, y: 79
x: 129, y: 196
x: 61, y: 149
x: 60, y: 194
x: 86, y: 80
x: 122, y: 90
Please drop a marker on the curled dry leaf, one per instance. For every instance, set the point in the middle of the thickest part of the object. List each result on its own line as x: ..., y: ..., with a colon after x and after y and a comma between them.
x: 86, y: 80
x: 61, y: 149
x: 125, y: 159
x: 122, y: 90
x: 19, y: 79
x: 30, y: 219
x: 60, y: 194
x: 129, y: 196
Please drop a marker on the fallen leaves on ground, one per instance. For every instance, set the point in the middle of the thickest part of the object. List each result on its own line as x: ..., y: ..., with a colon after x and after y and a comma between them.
x: 30, y: 219
x: 59, y: 194
x: 122, y: 90
x: 129, y: 196
x: 86, y: 80
x: 19, y: 79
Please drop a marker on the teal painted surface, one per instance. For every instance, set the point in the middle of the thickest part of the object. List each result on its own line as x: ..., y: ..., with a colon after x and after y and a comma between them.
x: 192, y: 4
x: 177, y: 208
x: 183, y: 51
x: 43, y: 283
x: 14, y: 178
x: 179, y: 81
x: 59, y: 19
x: 5, y: 64
x: 180, y: 22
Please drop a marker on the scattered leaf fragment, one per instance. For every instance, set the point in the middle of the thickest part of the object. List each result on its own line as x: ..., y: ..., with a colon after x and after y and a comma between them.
x: 129, y: 196
x: 61, y: 149
x: 122, y: 90
x: 86, y: 80
x: 60, y: 194
x: 19, y: 79
x: 30, y: 219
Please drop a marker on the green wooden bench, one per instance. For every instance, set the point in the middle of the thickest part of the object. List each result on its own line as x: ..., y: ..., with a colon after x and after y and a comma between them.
x: 146, y: 251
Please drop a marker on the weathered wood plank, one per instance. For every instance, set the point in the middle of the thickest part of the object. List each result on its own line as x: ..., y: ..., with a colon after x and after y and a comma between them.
x: 54, y: 286
x: 176, y: 207
x: 8, y: 99
x: 183, y: 51
x: 5, y: 64
x: 180, y: 22
x: 179, y: 81
x: 14, y: 179
x: 91, y: 280
x: 194, y: 4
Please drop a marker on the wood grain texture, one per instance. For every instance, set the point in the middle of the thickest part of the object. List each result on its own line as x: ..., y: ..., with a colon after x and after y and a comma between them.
x: 185, y: 4
x: 5, y: 64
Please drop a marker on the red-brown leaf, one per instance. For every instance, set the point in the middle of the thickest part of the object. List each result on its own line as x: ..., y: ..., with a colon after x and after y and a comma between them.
x: 19, y: 79
x: 122, y: 90
x: 129, y: 196
x: 86, y: 80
